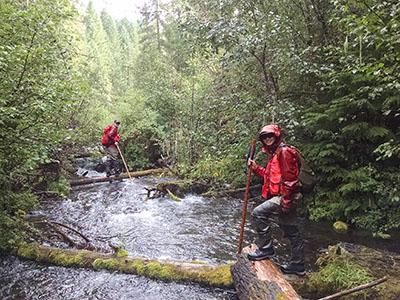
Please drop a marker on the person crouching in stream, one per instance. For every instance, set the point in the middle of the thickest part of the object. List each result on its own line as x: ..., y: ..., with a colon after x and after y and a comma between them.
x: 281, y: 192
x: 110, y: 141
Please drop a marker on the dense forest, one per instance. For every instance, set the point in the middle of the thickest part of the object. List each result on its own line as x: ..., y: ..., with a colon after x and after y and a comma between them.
x: 194, y: 81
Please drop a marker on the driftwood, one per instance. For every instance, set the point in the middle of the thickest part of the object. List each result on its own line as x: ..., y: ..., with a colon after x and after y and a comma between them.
x: 214, y: 275
x: 54, y: 226
x: 355, y: 289
x: 176, y: 189
x: 157, y: 193
x: 260, y: 280
x: 112, y: 178
x: 173, y: 197
x: 72, y: 229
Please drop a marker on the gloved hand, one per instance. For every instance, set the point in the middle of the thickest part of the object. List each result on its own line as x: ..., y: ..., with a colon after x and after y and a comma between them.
x: 251, y: 163
x: 286, y: 206
x: 116, y: 143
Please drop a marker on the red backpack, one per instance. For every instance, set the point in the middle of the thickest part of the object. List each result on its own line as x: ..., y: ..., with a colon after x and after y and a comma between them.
x: 307, y: 177
x: 105, y: 139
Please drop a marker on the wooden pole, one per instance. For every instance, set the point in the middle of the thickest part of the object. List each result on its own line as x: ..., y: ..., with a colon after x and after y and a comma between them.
x: 126, y: 167
x: 246, y: 197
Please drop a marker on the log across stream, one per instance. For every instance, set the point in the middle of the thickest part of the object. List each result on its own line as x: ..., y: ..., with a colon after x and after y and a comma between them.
x: 200, y: 272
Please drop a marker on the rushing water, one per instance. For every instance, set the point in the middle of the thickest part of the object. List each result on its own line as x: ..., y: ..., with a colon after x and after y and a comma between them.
x: 196, y: 228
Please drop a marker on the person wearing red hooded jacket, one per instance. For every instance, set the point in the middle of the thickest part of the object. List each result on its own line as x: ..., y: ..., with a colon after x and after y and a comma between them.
x: 110, y: 141
x: 282, y: 194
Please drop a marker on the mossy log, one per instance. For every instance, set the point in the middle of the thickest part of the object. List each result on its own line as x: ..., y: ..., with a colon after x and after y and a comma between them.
x: 213, y: 275
x: 112, y: 178
x: 260, y: 280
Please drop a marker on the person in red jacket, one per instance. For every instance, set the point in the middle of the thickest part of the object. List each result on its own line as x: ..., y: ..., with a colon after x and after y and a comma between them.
x: 110, y: 141
x: 282, y: 194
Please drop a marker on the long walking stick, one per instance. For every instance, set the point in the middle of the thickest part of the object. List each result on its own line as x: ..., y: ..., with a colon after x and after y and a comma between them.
x: 126, y: 167
x: 246, y: 196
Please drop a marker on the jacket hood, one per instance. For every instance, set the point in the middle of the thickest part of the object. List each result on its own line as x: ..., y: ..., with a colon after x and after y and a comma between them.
x: 276, y: 131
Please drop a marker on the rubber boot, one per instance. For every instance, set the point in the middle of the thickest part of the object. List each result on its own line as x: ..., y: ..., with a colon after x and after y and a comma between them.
x: 292, y: 268
x: 261, y: 254
x: 261, y: 223
x: 296, y: 264
x: 117, y: 168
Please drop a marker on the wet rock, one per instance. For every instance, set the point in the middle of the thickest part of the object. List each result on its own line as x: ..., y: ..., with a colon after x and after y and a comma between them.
x: 340, y: 227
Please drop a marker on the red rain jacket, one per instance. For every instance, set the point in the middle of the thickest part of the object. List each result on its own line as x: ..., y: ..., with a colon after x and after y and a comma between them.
x: 110, y: 135
x: 281, y: 175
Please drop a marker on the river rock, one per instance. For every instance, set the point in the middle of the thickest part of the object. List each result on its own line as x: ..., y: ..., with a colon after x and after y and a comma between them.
x: 340, y: 227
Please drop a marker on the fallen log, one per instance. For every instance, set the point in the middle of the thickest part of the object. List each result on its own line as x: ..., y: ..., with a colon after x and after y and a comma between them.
x: 260, y: 279
x: 213, y: 275
x: 112, y: 178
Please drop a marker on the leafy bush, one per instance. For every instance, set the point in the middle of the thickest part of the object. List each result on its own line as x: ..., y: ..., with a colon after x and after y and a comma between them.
x: 60, y: 186
x: 353, y: 132
x: 338, y: 275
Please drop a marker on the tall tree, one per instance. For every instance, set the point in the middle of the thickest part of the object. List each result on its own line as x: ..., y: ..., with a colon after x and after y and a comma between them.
x: 38, y: 92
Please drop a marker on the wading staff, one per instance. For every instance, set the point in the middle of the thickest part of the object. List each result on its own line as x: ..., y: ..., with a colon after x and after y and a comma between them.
x: 246, y: 195
x: 126, y: 167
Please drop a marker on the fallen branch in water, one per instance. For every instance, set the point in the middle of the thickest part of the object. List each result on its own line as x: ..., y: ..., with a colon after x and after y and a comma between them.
x: 173, y: 197
x: 65, y: 237
x: 53, y: 225
x: 161, y: 193
x: 72, y: 229
x: 156, y: 194
x: 355, y: 289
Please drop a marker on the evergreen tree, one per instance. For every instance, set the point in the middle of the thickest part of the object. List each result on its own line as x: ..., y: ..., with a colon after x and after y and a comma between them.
x: 355, y: 129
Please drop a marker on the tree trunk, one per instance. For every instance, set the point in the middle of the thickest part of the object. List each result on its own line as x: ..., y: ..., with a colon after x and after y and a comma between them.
x: 260, y: 280
x: 122, y: 176
x: 213, y: 275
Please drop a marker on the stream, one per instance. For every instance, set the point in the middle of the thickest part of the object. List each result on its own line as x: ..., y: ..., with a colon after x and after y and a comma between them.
x: 196, y: 228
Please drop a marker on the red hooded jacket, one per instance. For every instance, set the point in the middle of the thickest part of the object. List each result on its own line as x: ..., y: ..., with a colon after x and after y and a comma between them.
x: 281, y: 175
x: 110, y: 135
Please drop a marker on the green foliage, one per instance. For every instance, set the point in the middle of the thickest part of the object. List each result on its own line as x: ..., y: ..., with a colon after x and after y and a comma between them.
x: 136, y: 156
x: 40, y: 96
x: 358, y: 118
x: 11, y: 234
x: 227, y: 169
x: 60, y: 186
x: 338, y: 275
